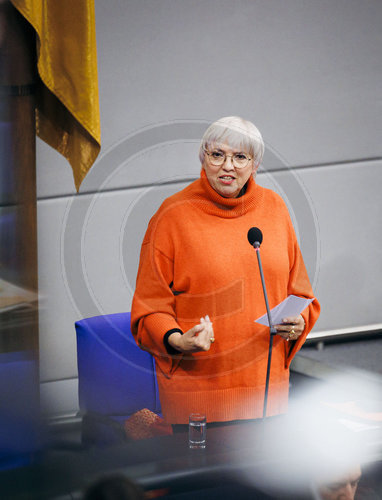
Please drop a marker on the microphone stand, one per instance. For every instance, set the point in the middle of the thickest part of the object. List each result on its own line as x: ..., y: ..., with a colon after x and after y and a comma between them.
x: 272, y: 330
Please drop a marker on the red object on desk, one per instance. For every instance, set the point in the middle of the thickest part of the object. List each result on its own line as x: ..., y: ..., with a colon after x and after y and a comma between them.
x: 146, y: 424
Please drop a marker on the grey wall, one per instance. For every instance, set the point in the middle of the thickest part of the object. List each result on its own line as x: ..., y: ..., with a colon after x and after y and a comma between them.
x: 307, y: 73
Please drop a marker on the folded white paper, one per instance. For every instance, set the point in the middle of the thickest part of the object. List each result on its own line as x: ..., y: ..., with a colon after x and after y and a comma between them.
x: 291, y: 306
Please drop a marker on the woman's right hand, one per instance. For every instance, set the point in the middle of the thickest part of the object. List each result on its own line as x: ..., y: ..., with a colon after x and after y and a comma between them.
x: 198, y: 338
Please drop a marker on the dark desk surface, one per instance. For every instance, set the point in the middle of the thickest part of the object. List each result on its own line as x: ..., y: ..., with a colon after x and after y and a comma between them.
x: 153, y: 462
x: 232, y: 451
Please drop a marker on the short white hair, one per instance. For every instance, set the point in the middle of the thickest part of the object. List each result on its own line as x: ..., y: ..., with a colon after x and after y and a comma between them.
x: 236, y: 133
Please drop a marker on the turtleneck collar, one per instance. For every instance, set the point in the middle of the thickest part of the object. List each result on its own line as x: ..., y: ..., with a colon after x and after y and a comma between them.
x: 212, y: 202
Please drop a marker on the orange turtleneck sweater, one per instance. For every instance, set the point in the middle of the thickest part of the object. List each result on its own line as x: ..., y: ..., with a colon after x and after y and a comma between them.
x: 196, y: 260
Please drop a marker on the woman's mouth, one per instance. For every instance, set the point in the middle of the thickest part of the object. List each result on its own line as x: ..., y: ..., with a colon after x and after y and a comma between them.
x: 227, y: 179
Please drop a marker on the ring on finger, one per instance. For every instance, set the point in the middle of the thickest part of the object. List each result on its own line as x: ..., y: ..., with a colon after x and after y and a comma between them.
x: 212, y: 340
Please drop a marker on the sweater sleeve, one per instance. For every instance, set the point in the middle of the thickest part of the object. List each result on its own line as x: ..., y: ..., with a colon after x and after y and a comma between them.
x: 153, y: 307
x: 299, y: 285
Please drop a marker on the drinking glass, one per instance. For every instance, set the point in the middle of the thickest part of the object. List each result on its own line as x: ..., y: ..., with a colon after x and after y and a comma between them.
x: 197, y: 427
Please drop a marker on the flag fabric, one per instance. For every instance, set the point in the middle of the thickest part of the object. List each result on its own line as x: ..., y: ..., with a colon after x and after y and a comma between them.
x: 67, y: 103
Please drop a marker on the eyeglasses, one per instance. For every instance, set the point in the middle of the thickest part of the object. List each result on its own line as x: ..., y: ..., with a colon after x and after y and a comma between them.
x: 218, y: 158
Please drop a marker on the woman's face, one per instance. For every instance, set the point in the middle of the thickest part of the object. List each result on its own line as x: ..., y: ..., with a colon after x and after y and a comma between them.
x: 226, y: 179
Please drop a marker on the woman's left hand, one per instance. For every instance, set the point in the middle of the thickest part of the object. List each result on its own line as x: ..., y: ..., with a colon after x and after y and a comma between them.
x: 291, y: 328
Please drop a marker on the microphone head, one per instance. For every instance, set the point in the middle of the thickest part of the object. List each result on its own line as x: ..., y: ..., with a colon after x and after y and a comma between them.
x: 255, y: 235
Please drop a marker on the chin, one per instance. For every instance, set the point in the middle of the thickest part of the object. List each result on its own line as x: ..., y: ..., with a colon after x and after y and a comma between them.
x: 229, y: 193
x: 226, y: 191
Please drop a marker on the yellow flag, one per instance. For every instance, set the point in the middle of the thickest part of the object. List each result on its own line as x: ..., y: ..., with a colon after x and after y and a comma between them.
x: 67, y: 105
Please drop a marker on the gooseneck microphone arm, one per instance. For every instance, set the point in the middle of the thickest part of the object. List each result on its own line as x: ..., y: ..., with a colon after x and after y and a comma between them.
x: 255, y: 238
x: 256, y: 246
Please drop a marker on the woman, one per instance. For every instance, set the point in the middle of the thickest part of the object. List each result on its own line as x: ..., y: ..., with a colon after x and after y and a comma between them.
x: 199, y: 290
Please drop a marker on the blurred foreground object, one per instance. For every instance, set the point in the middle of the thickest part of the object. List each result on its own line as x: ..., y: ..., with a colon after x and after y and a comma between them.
x: 342, y: 488
x: 114, y: 487
x: 20, y: 435
x: 19, y: 378
x: 332, y: 432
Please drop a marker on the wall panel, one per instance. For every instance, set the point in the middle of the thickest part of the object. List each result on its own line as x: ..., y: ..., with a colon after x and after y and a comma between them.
x: 307, y: 73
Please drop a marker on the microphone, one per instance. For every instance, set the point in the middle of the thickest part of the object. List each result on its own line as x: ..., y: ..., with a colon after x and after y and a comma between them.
x: 255, y: 238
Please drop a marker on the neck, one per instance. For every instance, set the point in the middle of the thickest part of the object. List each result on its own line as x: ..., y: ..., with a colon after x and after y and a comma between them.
x: 243, y: 190
x: 214, y: 203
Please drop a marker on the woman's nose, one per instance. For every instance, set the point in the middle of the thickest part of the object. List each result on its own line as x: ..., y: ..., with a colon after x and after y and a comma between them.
x: 228, y: 163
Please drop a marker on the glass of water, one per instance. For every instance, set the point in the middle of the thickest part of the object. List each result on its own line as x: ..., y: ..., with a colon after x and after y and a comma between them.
x: 197, y: 427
